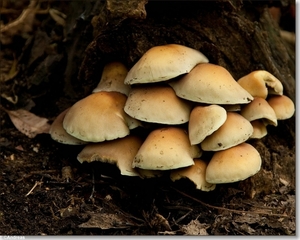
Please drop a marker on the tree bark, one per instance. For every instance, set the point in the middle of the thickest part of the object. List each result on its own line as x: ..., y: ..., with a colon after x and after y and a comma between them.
x: 238, y: 35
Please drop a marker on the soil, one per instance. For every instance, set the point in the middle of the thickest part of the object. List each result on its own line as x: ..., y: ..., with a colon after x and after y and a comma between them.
x: 44, y: 190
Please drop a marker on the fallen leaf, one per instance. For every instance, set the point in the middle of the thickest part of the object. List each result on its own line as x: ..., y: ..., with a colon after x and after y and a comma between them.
x: 195, y: 228
x: 28, y: 123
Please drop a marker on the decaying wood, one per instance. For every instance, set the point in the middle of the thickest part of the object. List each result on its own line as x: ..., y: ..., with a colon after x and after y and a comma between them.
x: 238, y: 35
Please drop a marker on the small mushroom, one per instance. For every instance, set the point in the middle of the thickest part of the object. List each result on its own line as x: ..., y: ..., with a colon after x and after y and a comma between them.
x: 161, y: 63
x: 235, y: 130
x: 204, y: 120
x: 195, y: 173
x: 282, y: 105
x: 119, y: 151
x: 259, y: 129
x: 233, y: 164
x: 99, y: 117
x: 259, y: 108
x: 210, y: 83
x: 166, y: 148
x: 59, y: 134
x: 261, y: 83
x: 112, y: 79
x: 157, y: 104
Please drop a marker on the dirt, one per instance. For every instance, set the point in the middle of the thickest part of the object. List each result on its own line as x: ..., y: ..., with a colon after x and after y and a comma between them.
x: 44, y: 190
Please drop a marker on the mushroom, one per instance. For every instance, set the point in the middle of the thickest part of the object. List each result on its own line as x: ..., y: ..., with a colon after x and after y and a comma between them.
x: 259, y: 129
x: 234, y: 131
x: 259, y: 108
x: 260, y: 83
x: 195, y: 173
x: 119, y: 151
x: 59, y: 134
x: 161, y: 63
x: 233, y: 164
x: 166, y: 148
x: 99, y: 117
x: 112, y: 79
x: 282, y: 105
x: 157, y: 104
x: 204, y: 120
x: 210, y: 83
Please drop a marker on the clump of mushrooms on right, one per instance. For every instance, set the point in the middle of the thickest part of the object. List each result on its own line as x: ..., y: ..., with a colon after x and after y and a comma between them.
x: 187, y: 107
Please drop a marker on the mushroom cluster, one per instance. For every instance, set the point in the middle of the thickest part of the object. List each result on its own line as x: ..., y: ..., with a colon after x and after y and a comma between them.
x: 187, y: 107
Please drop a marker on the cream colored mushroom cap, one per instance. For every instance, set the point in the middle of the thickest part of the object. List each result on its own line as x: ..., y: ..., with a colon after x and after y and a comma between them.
x: 112, y: 79
x: 59, y: 134
x: 196, y: 173
x: 259, y: 129
x: 166, y: 148
x: 259, y: 108
x: 161, y: 63
x: 234, y: 131
x: 119, y: 151
x: 157, y: 104
x: 204, y: 120
x: 261, y: 83
x: 233, y: 164
x: 282, y: 105
x: 210, y: 83
x: 98, y: 117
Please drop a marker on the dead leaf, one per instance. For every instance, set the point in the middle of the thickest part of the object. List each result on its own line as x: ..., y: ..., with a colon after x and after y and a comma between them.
x: 28, y: 123
x: 105, y: 221
x: 195, y: 228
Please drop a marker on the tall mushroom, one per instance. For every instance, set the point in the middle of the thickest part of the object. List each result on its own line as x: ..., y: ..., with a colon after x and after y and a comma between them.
x: 166, y: 148
x: 157, y: 104
x: 210, y: 83
x: 98, y: 117
x: 161, y: 63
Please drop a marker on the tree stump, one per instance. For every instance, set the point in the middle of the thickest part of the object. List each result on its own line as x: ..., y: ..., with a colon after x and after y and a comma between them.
x: 241, y: 36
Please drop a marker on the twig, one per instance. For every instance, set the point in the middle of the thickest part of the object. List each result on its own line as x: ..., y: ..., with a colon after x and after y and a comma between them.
x: 37, y: 183
x: 227, y: 209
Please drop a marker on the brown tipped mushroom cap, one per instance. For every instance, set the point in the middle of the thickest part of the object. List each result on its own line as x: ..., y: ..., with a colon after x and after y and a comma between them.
x: 166, y: 148
x: 204, y: 120
x: 161, y: 63
x: 98, y: 117
x: 259, y: 129
x: 234, y: 131
x: 112, y: 79
x: 260, y: 83
x: 233, y: 164
x: 119, y: 151
x: 196, y: 173
x: 282, y: 105
x: 59, y: 134
x: 157, y: 104
x: 210, y: 83
x: 259, y: 108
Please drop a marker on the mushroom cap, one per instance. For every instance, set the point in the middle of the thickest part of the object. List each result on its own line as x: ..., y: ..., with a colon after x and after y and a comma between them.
x: 234, y: 131
x: 204, y: 120
x: 260, y: 83
x: 161, y: 63
x: 157, y: 104
x: 59, y: 134
x: 259, y: 129
x: 147, y: 173
x: 118, y: 151
x: 233, y: 164
x: 282, y: 105
x: 259, y: 108
x: 98, y: 117
x: 112, y: 79
x: 210, y: 83
x: 196, y: 173
x: 166, y: 148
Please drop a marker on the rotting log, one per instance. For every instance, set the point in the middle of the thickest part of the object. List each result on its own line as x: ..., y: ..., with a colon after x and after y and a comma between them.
x: 238, y: 35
